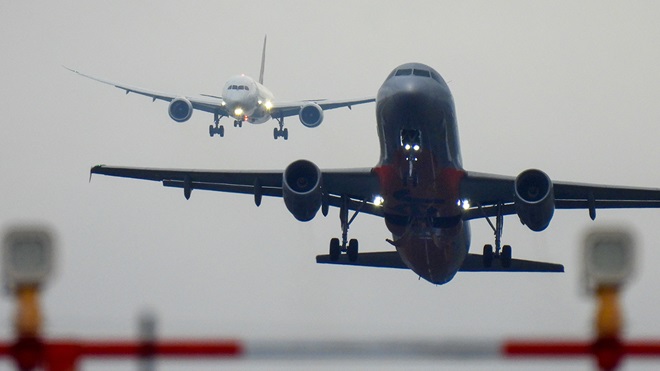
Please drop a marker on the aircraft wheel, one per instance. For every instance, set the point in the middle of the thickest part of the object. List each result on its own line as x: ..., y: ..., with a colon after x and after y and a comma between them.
x: 211, y: 131
x: 488, y: 256
x: 506, y: 256
x: 335, y: 250
x: 352, y: 250
x: 276, y: 133
x: 285, y: 133
x: 221, y: 131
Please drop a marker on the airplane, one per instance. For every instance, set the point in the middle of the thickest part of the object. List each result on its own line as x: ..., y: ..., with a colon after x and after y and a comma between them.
x: 419, y: 187
x: 245, y: 100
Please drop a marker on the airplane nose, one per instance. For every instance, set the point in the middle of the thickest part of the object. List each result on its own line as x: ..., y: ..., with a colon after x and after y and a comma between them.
x: 407, y: 101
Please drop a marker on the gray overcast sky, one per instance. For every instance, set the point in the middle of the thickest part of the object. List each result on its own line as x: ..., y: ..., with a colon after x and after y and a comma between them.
x: 568, y: 87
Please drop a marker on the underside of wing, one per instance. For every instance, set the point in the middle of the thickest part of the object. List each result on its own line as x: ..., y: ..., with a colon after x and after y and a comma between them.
x: 489, y: 194
x: 286, y: 109
x: 355, y: 187
x: 584, y: 196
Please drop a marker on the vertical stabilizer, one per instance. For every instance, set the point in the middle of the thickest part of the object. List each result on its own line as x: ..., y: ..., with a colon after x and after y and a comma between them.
x: 263, y: 62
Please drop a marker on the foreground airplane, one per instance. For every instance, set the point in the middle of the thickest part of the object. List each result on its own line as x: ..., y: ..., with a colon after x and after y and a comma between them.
x: 244, y: 99
x: 419, y: 187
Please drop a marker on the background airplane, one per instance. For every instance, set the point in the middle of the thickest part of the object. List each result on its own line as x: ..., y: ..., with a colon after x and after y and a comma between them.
x: 245, y: 100
x: 419, y: 187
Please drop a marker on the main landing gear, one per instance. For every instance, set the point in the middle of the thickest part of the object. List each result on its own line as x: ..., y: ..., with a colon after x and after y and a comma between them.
x: 281, y: 132
x: 501, y: 253
x: 350, y: 247
x: 216, y: 128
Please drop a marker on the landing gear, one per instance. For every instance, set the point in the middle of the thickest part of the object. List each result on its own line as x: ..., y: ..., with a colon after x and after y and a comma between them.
x: 335, y: 249
x: 220, y: 130
x: 352, y: 250
x: 238, y: 124
x: 504, y: 256
x: 411, y: 141
x: 488, y: 256
x: 349, y: 247
x: 216, y: 128
x: 281, y: 132
x: 502, y: 253
x: 411, y: 178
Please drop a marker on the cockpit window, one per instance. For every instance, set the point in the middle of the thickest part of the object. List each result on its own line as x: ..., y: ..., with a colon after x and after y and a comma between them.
x: 416, y: 72
x: 436, y: 77
x: 239, y: 87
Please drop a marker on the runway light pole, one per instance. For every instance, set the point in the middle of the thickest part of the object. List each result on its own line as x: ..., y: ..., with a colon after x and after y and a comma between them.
x: 609, y: 262
x: 27, y: 263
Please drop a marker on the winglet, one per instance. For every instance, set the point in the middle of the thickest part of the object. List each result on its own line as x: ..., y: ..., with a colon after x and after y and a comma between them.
x: 263, y: 62
x: 94, y: 170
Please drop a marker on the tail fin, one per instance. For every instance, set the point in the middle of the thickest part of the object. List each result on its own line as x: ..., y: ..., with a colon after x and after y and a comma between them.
x: 263, y: 62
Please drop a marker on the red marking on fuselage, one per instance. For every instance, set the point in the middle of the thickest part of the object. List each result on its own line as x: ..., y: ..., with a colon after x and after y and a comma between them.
x: 415, y: 203
x: 427, y: 190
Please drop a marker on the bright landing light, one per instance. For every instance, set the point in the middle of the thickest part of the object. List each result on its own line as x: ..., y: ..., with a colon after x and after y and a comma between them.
x: 238, y: 112
x: 378, y: 200
x: 465, y: 204
x: 268, y: 105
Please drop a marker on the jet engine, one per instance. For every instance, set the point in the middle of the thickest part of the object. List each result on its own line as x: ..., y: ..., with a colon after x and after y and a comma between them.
x: 311, y: 115
x: 180, y: 109
x: 534, y: 199
x: 301, y: 189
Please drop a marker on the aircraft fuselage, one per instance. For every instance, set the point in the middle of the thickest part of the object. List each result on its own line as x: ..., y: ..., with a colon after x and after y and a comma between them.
x: 247, y: 100
x: 419, y: 171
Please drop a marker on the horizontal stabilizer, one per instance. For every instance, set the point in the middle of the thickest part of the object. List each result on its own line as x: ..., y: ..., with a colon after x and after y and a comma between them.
x: 472, y: 263
x: 386, y: 259
x: 475, y: 263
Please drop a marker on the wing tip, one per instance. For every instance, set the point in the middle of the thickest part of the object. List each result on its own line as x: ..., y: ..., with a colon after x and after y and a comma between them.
x: 95, y: 170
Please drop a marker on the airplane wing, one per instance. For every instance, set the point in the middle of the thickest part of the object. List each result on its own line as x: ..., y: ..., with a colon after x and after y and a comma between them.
x: 360, y: 185
x: 472, y: 263
x: 486, y: 191
x: 207, y: 103
x: 286, y: 109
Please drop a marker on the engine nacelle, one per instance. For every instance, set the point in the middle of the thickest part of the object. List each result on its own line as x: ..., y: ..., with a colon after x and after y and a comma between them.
x: 180, y: 109
x: 301, y: 189
x: 534, y: 199
x: 311, y: 115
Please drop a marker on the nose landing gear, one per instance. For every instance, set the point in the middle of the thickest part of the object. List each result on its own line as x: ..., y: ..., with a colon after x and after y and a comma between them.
x: 411, y: 142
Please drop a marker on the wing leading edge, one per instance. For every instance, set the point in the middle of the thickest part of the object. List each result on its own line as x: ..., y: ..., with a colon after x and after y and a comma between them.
x: 207, y: 103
